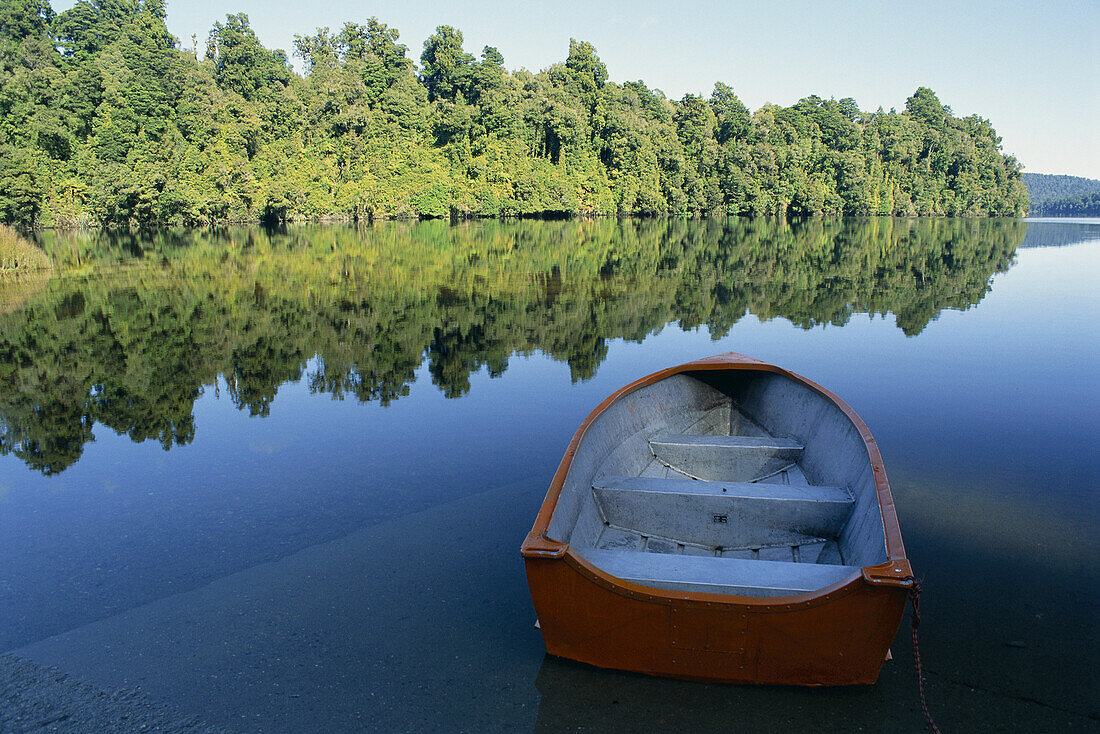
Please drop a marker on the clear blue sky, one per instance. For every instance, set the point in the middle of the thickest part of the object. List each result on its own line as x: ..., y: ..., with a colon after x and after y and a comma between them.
x: 1033, y: 70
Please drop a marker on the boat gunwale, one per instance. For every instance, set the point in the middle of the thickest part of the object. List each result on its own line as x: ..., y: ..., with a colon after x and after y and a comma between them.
x: 894, y: 572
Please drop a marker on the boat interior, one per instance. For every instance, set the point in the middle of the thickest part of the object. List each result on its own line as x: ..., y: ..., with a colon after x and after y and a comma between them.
x: 741, y: 482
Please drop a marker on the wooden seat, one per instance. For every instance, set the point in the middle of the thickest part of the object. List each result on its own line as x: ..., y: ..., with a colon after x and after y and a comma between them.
x: 717, y: 575
x: 732, y: 458
x: 723, y: 514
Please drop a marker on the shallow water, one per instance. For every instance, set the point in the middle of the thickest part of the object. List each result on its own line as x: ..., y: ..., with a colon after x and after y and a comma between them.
x: 279, y: 480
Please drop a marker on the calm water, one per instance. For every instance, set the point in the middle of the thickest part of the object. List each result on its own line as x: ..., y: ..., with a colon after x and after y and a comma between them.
x: 280, y: 479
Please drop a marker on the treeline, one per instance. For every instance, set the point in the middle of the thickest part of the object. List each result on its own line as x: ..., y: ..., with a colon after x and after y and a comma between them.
x: 137, y: 327
x: 1062, y: 196
x: 1044, y: 187
x: 1087, y: 205
x: 104, y: 119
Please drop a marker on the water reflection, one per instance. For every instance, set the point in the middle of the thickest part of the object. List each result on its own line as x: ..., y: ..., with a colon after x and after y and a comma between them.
x: 137, y: 326
x: 1055, y: 233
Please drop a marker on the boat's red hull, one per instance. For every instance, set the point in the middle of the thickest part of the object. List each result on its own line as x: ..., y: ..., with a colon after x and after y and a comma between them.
x: 839, y: 635
x: 840, y: 638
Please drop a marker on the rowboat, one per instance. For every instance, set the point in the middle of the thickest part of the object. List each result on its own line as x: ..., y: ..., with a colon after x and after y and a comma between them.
x: 723, y: 520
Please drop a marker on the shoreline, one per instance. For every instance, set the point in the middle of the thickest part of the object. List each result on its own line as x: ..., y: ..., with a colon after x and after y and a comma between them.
x: 546, y: 217
x: 40, y: 698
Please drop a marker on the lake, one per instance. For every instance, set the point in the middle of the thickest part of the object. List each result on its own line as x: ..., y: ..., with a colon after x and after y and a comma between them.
x: 279, y: 478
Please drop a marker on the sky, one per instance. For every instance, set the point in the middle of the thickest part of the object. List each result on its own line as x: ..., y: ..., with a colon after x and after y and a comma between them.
x: 1031, y: 69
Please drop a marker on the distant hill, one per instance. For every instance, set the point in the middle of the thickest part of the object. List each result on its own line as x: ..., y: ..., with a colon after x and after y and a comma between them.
x: 1062, y: 195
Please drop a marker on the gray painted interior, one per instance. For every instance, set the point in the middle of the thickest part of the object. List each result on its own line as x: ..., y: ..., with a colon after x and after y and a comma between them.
x: 755, y: 515
x: 724, y: 457
x: 737, y: 482
x: 722, y: 576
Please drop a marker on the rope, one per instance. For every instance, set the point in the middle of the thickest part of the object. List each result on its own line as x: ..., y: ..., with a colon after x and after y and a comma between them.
x: 692, y: 476
x: 777, y: 471
x: 914, y: 600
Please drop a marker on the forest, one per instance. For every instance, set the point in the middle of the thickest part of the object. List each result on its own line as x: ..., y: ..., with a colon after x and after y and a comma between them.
x: 106, y: 119
x: 1086, y: 205
x: 136, y: 326
x: 1062, y: 196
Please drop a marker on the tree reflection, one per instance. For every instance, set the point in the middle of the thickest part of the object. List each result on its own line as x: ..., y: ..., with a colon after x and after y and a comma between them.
x: 137, y: 325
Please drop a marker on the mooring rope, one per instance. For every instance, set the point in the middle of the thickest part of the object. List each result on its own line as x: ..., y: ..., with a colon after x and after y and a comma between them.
x: 914, y: 600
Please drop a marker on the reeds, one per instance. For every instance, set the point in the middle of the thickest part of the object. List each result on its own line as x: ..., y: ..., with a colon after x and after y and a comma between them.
x: 18, y: 255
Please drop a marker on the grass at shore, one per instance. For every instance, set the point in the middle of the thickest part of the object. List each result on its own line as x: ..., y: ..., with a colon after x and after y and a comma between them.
x: 17, y: 255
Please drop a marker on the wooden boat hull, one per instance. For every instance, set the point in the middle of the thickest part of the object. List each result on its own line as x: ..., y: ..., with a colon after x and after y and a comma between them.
x: 836, y: 635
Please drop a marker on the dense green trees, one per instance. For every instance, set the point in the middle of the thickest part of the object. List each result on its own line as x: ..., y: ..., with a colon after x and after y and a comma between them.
x: 1062, y: 196
x: 104, y: 119
x: 1044, y: 187
x: 1087, y: 205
